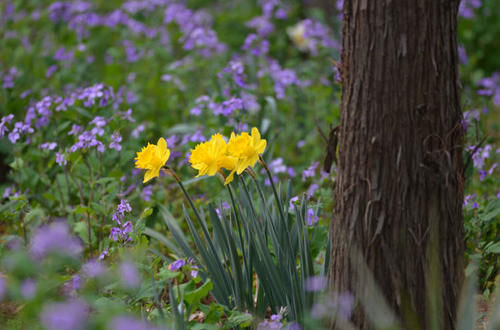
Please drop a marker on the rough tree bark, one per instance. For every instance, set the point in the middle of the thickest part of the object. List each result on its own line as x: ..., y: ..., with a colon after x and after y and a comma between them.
x: 400, y: 173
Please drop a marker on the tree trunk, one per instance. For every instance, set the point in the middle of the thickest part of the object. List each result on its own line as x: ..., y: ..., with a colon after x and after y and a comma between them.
x: 400, y: 183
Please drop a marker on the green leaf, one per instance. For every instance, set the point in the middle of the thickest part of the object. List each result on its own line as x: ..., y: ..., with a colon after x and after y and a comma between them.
x: 166, y: 274
x: 467, y: 306
x: 494, y: 248
x: 194, y: 297
x: 146, y: 291
x: 244, y: 320
x: 146, y: 213
x: 140, y: 226
x: 83, y: 210
x: 491, y: 212
x: 82, y: 231
x: 103, y: 181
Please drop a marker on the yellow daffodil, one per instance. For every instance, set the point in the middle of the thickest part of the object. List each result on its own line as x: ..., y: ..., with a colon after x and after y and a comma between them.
x: 246, y: 149
x: 152, y: 158
x: 209, y: 157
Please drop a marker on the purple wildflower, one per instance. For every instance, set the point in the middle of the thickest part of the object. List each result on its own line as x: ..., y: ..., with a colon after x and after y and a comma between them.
x: 467, y: 7
x: 68, y: 315
x: 48, y: 146
x: 262, y: 25
x: 147, y: 192
x: 55, y: 237
x: 3, y: 286
x: 277, y: 166
x: 226, y: 108
x: 316, y: 283
x: 311, y: 217
x: 293, y: 201
x: 177, y: 82
x: 462, y: 55
x: 197, y: 136
x: 255, y: 45
x: 61, y: 159
x: 312, y: 189
x: 115, y: 233
x: 3, y: 124
x: 345, y: 304
x: 104, y: 254
x: 122, y: 208
x: 19, y: 128
x: 75, y: 129
x: 129, y: 275
x: 93, y: 269
x: 194, y: 271
x: 28, y: 288
x: 237, y: 72
x: 135, y: 133
x: 116, y: 138
x: 129, y: 323
x: 50, y: 71
x: 490, y: 86
x: 8, y: 78
x: 176, y: 265
x: 310, y: 171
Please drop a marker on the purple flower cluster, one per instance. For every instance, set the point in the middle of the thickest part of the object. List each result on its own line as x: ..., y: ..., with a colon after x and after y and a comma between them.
x: 129, y: 323
x: 273, y: 323
x: 481, y: 155
x: 270, y: 9
x: 176, y: 265
x: 93, y: 268
x: 311, y: 217
x: 3, y: 124
x: 87, y: 140
x: 223, y: 208
x: 131, y: 52
x: 467, y: 8
x: 318, y: 34
x: 490, y: 86
x: 57, y: 238
x: 177, y: 82
x: 67, y: 315
x: 116, y: 139
x: 340, y: 305
x: 236, y: 70
x: 316, y: 283
x: 277, y: 166
x: 121, y: 231
x: 19, y: 129
x: 48, y: 146
x: 28, y: 288
x: 282, y: 77
x: 227, y: 108
x: 202, y: 103
x: 255, y: 45
x: 195, y: 28
x: 262, y: 25
x: 3, y: 286
x: 310, y: 171
x: 80, y: 18
x: 9, y: 76
x: 146, y: 193
x: 130, y: 277
x: 64, y: 56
